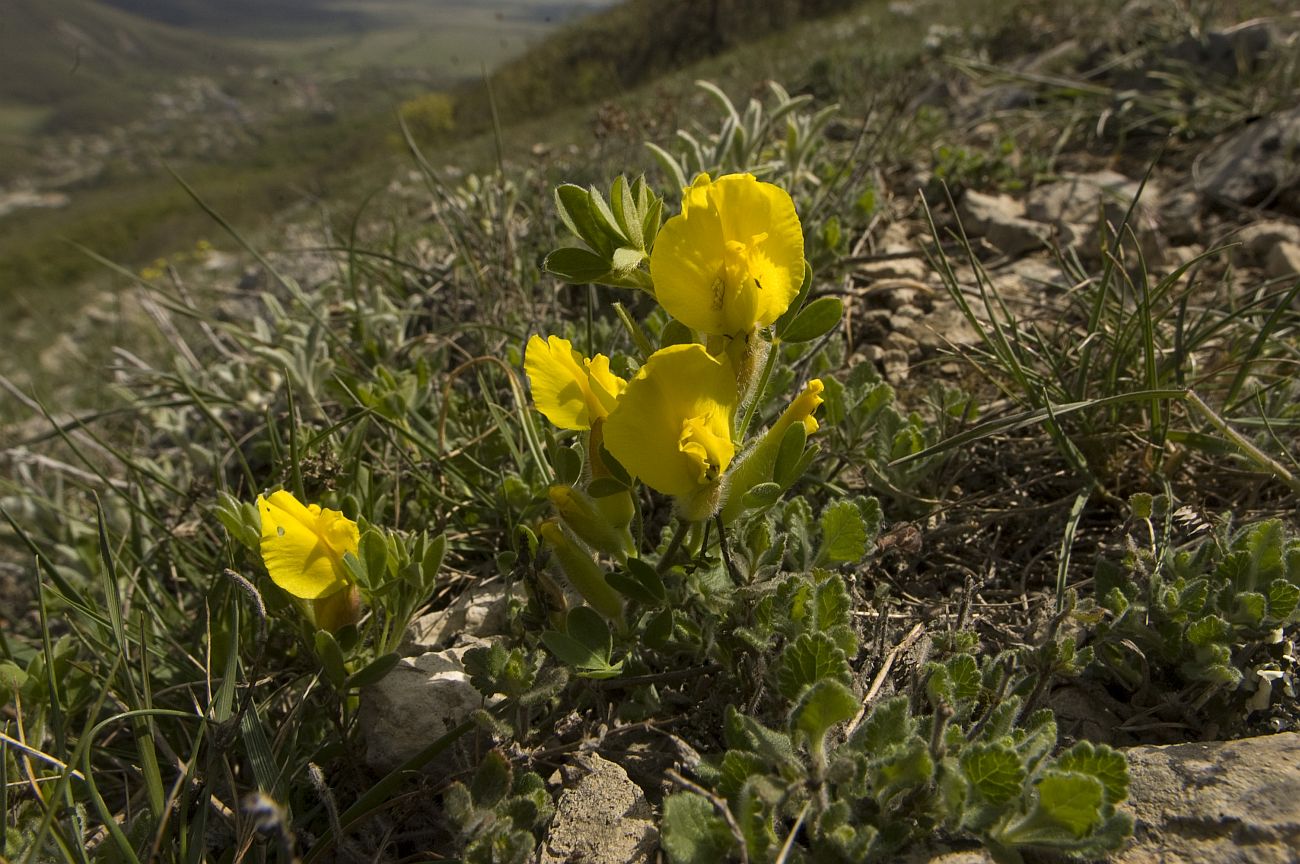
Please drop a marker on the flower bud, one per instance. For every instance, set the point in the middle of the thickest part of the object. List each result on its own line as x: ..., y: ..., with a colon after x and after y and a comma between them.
x: 586, y: 577
x: 757, y: 464
x: 335, y: 611
x: 586, y: 518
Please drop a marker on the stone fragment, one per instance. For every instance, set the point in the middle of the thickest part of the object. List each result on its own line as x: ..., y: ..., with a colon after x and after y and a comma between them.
x: 999, y: 219
x: 602, y: 818
x: 1234, y: 802
x: 1283, y: 261
x: 1078, y: 197
x: 479, y: 611
x: 895, y: 268
x: 942, y: 328
x: 1257, y: 240
x: 416, y: 703
x: 1257, y: 166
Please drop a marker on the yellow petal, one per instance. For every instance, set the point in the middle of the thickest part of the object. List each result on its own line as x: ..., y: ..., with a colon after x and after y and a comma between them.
x: 570, y: 391
x: 732, y: 260
x: 303, y: 547
x: 672, y: 426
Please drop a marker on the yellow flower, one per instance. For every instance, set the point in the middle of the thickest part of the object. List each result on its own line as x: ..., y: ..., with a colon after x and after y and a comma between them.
x: 672, y: 426
x: 303, y: 547
x: 733, y: 259
x: 571, y: 391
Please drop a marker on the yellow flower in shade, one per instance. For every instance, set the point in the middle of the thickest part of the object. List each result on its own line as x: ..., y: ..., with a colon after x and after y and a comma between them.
x: 672, y: 426
x: 732, y: 260
x: 570, y: 390
x: 303, y: 546
x: 759, y: 462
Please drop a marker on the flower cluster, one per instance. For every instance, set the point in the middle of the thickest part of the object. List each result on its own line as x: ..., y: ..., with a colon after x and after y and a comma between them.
x: 726, y: 268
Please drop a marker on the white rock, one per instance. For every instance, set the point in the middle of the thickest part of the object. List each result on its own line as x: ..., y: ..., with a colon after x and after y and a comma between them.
x: 1234, y: 802
x: 1283, y: 261
x: 415, y: 704
x: 1259, y: 238
x: 1000, y: 220
x: 480, y: 611
x: 1257, y: 165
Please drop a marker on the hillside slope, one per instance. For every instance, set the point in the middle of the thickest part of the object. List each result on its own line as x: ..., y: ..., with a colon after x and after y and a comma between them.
x: 80, y: 64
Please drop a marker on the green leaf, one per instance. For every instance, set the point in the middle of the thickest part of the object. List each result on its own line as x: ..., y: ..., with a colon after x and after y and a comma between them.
x: 649, y: 579
x: 1283, y: 597
x: 492, y: 780
x: 567, y: 463
x: 1105, y: 763
x: 816, y: 320
x: 824, y: 704
x: 1208, y: 630
x: 832, y: 605
x: 762, y: 495
x: 374, y: 554
x: 626, y: 212
x: 994, y: 772
x: 432, y: 561
x: 574, y: 206
x: 1072, y: 800
x: 889, y: 724
x: 1251, y: 608
x: 904, y: 769
x: 844, y: 533
x: 577, y: 266
x: 605, y: 218
x: 965, y: 675
x: 588, y: 627
x: 692, y: 832
x: 626, y: 259
x: 810, y: 658
x: 659, y: 629
x: 570, y: 651
x: 373, y: 672
x: 331, y: 658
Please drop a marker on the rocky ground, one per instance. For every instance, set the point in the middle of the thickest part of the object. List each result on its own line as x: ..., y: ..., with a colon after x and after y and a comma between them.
x: 1231, y: 207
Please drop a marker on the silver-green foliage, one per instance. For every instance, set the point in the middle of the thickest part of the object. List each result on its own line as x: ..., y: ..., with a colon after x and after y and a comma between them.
x: 963, y: 763
x: 1199, y: 615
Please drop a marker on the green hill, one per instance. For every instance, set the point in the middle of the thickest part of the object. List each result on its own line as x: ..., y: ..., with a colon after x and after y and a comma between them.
x: 77, y: 65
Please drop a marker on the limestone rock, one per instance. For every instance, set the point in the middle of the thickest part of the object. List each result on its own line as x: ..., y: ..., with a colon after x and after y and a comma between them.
x: 1235, y: 802
x: 416, y: 703
x: 1283, y: 261
x: 1077, y: 204
x: 480, y: 611
x: 1001, y: 220
x: 895, y: 268
x: 603, y: 818
x: 1258, y: 239
x: 1257, y: 166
